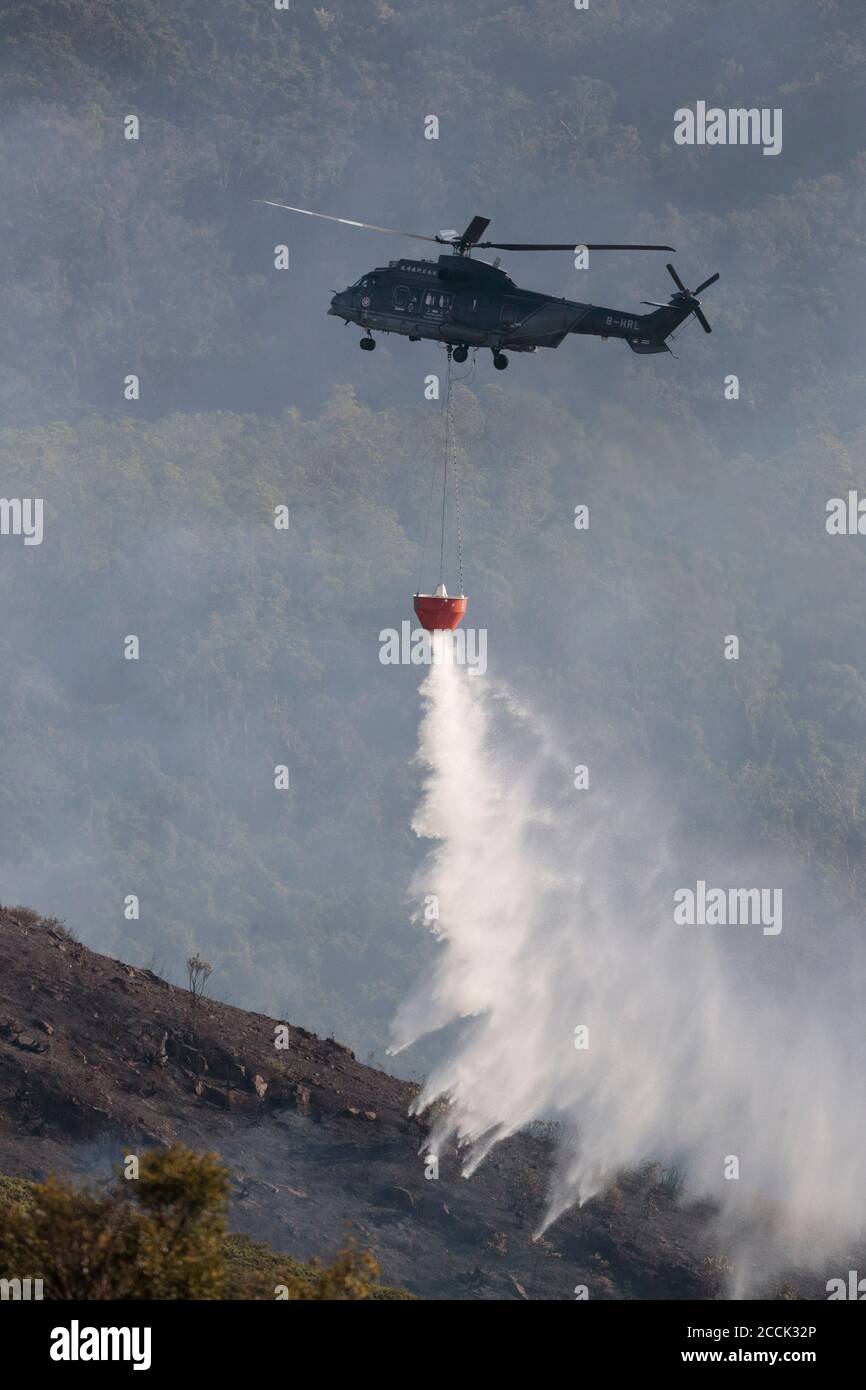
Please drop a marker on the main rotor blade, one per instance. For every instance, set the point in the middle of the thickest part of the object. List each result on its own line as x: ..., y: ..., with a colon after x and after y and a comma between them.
x: 712, y: 280
x: 477, y: 227
x: 676, y: 279
x: 569, y: 246
x: 702, y: 321
x: 470, y: 237
x: 349, y: 222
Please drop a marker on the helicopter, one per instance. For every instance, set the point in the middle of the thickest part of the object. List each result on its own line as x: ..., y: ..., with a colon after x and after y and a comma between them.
x: 467, y: 303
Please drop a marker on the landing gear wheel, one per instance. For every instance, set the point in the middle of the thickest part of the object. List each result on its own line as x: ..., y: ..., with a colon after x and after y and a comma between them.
x: 460, y: 354
x: 500, y: 361
x: 367, y: 344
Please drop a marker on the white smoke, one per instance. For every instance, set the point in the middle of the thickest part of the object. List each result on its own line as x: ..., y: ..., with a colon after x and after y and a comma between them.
x: 555, y: 910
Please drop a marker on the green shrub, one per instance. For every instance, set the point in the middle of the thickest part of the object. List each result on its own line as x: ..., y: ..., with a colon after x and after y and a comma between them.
x: 157, y: 1236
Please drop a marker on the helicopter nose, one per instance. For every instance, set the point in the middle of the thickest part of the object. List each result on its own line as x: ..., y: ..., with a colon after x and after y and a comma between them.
x: 339, y: 301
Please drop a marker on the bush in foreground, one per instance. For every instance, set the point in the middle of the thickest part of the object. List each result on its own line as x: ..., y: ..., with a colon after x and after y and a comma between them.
x: 161, y: 1235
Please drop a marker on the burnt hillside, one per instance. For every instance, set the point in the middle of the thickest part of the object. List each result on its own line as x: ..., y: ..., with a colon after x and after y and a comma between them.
x: 98, y: 1057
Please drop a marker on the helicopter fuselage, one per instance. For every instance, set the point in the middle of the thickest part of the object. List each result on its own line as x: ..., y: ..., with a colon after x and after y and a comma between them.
x: 469, y: 303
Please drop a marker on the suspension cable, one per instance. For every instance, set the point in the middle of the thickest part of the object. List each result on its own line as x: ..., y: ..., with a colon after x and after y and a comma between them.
x: 430, y: 500
x: 456, y: 477
x: 449, y: 453
x: 445, y: 467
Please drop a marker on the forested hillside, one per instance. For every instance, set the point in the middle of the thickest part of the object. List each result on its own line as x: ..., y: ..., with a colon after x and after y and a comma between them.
x: 260, y: 647
x: 152, y: 255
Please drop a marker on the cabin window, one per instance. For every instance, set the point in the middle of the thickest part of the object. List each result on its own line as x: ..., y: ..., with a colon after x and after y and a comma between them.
x: 401, y: 297
x: 437, y: 305
x: 510, y: 314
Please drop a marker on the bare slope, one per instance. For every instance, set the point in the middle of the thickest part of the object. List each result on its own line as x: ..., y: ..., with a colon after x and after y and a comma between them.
x: 98, y: 1058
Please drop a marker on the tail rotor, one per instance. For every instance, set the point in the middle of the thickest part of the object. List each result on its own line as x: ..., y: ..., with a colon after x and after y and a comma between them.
x: 685, y: 298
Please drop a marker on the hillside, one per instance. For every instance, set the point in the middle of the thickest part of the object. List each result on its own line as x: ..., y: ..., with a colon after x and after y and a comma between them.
x: 98, y: 1057
x: 154, y: 252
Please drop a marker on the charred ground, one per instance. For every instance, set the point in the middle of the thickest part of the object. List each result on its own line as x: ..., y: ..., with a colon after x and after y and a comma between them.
x: 98, y: 1058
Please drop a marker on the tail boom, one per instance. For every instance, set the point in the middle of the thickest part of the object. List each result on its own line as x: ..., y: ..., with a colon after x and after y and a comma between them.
x: 644, y: 333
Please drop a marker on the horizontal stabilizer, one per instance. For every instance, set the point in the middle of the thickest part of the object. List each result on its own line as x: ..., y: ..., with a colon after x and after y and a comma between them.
x: 644, y: 346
